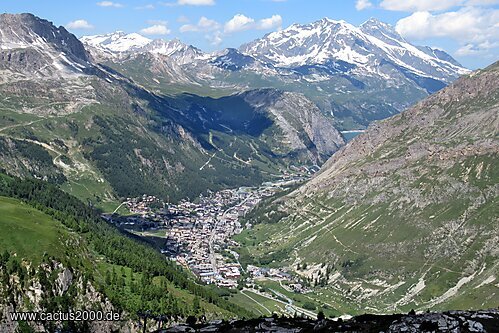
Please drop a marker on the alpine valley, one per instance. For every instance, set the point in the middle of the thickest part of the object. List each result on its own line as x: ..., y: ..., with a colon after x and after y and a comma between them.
x: 356, y: 74
x: 152, y: 179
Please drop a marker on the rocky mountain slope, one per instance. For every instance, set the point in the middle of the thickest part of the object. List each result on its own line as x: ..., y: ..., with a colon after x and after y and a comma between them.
x: 32, y: 46
x: 357, y: 74
x: 404, y: 216
x: 101, y: 136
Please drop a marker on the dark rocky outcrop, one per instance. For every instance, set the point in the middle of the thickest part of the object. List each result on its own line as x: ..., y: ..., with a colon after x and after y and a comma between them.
x: 452, y: 321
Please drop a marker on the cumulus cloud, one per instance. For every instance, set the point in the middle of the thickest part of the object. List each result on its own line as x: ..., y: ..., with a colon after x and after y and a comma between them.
x: 215, y: 31
x: 204, y: 24
x: 469, y: 24
x: 242, y: 22
x: 476, y: 29
x: 79, y: 24
x: 275, y: 21
x: 363, y: 4
x: 109, y: 4
x: 239, y: 22
x: 156, y: 29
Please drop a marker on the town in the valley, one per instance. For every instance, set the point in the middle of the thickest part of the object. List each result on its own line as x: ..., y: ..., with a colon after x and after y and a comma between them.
x: 198, y: 234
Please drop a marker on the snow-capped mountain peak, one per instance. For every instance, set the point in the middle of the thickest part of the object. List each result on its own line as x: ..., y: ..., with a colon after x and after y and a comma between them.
x: 119, y: 44
x: 175, y: 49
x: 117, y: 41
x: 367, y: 47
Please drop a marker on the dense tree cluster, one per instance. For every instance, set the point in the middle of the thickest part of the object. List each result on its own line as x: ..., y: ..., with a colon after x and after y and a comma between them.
x: 135, y: 164
x: 40, y: 162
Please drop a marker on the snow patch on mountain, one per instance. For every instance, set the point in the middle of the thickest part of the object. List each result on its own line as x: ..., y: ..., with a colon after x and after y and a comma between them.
x: 117, y: 41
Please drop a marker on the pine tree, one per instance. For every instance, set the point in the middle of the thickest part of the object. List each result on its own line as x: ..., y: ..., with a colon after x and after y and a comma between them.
x: 195, y: 305
x: 108, y: 278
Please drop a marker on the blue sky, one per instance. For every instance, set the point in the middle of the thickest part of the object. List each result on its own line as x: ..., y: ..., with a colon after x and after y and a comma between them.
x: 467, y: 29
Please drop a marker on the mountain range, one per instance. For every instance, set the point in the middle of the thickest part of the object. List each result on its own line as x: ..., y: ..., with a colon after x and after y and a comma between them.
x: 102, y: 136
x: 354, y: 73
x: 402, y: 217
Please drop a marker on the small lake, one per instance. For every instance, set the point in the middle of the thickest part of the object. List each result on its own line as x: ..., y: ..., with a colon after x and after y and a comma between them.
x: 349, y: 135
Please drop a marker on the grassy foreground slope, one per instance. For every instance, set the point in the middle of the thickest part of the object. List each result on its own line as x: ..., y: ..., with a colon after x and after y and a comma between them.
x: 48, y: 235
x: 29, y: 232
x: 405, y: 216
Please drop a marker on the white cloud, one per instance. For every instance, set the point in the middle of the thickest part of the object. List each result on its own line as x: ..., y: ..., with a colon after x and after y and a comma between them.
x: 148, y: 6
x: 479, y: 49
x: 215, y: 32
x: 363, y: 4
x: 157, y: 22
x: 109, y: 4
x: 188, y: 3
x: 215, y: 39
x: 156, y: 29
x: 196, y: 2
x: 241, y: 22
x: 79, y: 24
x: 420, y: 5
x: 183, y: 19
x: 481, y: 2
x: 270, y: 23
x: 466, y: 24
x: 189, y: 28
x: 476, y: 29
x: 204, y: 24
x: 429, y: 5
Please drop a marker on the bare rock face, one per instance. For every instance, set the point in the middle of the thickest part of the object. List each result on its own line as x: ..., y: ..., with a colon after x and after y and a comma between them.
x: 305, y: 129
x: 64, y: 281
x: 34, y: 46
x: 27, y: 29
x: 32, y: 294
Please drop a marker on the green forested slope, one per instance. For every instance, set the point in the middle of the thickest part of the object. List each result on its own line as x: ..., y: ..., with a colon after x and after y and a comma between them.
x: 46, y: 231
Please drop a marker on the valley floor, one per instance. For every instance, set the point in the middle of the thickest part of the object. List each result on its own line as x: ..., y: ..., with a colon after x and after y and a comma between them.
x: 199, y: 236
